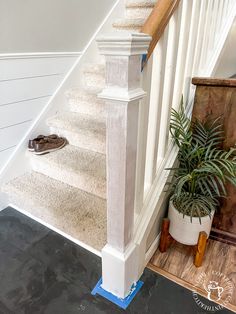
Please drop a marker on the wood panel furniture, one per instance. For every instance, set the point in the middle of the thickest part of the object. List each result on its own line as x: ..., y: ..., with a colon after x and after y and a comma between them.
x: 217, y: 98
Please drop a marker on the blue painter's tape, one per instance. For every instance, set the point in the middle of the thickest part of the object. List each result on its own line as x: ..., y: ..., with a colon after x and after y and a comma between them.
x: 144, y: 60
x: 123, y: 303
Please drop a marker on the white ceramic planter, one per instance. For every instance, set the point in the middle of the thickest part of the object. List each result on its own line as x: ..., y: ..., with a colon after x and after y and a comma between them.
x: 185, y: 231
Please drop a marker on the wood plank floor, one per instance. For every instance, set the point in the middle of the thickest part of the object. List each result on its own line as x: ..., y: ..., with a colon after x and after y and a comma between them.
x: 177, y: 265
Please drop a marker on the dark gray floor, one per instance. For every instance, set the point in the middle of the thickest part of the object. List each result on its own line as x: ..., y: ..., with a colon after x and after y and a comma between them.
x: 43, y: 273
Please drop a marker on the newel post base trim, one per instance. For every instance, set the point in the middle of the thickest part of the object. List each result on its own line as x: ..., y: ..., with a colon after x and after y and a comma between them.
x: 119, y: 270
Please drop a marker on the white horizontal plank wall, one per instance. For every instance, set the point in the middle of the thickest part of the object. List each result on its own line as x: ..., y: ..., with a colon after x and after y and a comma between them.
x: 27, y: 81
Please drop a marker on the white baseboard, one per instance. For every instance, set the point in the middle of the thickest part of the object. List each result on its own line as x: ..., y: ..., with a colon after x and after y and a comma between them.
x: 29, y: 55
x: 65, y: 235
x: 152, y: 249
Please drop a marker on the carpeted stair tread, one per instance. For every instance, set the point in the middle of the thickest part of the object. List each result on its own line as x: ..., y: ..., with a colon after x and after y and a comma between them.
x: 80, y: 94
x: 129, y: 24
x: 80, y: 130
x: 85, y: 103
x: 77, y: 213
x: 77, y: 167
x: 140, y: 3
x: 139, y: 9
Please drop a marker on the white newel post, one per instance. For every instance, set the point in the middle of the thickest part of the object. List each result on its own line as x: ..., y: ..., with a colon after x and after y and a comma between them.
x: 123, y: 53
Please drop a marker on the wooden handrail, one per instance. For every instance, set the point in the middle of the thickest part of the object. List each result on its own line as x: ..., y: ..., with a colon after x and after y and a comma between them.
x: 158, y: 20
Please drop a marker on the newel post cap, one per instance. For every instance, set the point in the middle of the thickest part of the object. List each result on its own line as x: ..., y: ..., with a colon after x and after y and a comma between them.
x: 124, y: 44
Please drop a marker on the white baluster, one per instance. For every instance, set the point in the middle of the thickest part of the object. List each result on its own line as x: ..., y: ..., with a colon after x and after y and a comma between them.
x: 200, y: 38
x: 206, y: 34
x: 191, y: 47
x: 214, y: 26
x: 182, y: 52
x: 209, y: 46
x: 219, y: 19
x: 169, y: 82
x: 159, y: 58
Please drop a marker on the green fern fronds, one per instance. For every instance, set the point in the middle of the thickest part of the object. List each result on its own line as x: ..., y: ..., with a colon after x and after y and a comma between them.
x: 204, y: 167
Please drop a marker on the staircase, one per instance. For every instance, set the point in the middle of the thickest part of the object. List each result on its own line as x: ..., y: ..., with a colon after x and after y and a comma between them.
x: 105, y: 189
x: 67, y: 189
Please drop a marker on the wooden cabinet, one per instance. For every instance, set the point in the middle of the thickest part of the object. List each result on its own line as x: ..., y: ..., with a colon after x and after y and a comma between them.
x: 215, y: 98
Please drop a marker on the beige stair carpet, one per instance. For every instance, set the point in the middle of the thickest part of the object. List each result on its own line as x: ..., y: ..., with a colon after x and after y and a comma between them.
x: 139, y: 8
x: 136, y: 13
x: 77, y: 167
x: 67, y: 190
x: 80, y: 130
x: 79, y: 214
x: 127, y: 24
x: 84, y: 102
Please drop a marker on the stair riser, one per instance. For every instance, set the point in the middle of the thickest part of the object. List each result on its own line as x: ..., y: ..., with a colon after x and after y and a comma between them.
x: 127, y: 29
x: 94, y: 80
x: 94, y: 144
x: 78, y: 180
x: 94, y: 109
x: 136, y: 13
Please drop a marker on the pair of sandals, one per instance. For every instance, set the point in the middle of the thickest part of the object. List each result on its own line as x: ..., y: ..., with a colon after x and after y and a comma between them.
x: 45, y: 144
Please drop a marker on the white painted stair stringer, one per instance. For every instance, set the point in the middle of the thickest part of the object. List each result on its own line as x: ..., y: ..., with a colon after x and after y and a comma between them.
x: 155, y: 204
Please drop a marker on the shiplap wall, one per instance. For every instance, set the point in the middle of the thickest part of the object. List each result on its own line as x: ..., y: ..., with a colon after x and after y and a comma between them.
x: 26, y: 84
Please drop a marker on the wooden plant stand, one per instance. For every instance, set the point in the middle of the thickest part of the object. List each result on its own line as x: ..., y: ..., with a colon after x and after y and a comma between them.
x: 166, y: 240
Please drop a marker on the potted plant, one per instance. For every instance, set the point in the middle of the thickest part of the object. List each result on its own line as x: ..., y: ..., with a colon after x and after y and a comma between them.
x: 200, y: 177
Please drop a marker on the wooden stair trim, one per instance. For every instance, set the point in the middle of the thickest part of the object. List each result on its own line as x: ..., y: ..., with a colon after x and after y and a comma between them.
x: 158, y: 20
x: 209, y: 81
x: 223, y: 236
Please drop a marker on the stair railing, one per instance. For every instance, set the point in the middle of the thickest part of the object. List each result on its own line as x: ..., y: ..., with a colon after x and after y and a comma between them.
x: 190, y: 45
x: 158, y: 20
x: 187, y: 39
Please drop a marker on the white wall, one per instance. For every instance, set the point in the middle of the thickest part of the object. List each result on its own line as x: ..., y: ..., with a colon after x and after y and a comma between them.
x: 227, y: 63
x: 26, y: 85
x: 49, y: 25
x: 29, y: 76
